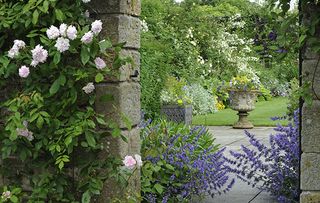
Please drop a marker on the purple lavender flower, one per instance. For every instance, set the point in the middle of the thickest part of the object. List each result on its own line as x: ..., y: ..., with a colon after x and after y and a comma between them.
x: 274, y: 169
x: 272, y: 36
x: 199, y: 168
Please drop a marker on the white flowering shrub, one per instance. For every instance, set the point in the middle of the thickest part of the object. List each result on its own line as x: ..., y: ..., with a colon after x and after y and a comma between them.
x: 48, y: 71
x: 202, y: 101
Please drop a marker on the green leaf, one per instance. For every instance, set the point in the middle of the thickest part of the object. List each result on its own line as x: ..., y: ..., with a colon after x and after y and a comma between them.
x: 127, y: 121
x: 170, y: 167
x: 56, y: 84
x: 61, y: 165
x: 86, y: 197
x: 90, y: 140
x: 99, y: 78
x: 62, y: 80
x: 159, y: 188
x: 68, y: 140
x: 85, y: 55
x: 45, y: 6
x: 101, y: 121
x: 104, y: 44
x: 35, y: 17
x: 54, y: 87
x: 16, y: 190
x: 40, y: 122
x: 14, y: 199
x: 59, y: 15
x: 57, y: 57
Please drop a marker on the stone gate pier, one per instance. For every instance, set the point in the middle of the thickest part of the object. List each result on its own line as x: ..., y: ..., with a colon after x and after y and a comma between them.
x: 310, y: 127
x: 122, y: 25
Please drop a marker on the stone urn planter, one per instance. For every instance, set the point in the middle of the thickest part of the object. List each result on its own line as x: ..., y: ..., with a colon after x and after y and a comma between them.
x: 243, y: 102
x: 178, y: 113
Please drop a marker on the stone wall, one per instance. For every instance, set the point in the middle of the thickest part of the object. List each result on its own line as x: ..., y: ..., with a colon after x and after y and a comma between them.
x: 310, y: 129
x: 121, y: 24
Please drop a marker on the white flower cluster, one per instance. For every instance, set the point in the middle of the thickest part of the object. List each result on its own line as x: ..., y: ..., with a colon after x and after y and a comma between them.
x: 24, y: 132
x: 96, y: 28
x: 17, y: 45
x: 86, y: 1
x: 89, y: 88
x: 236, y: 21
x: 202, y: 101
x: 63, y: 34
x: 39, y: 55
x: 144, y: 26
x: 6, y: 195
x: 236, y: 52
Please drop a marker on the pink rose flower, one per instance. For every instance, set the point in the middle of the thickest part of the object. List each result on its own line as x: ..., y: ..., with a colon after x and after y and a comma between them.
x: 39, y: 55
x: 96, y: 27
x: 53, y: 32
x: 72, y: 32
x: 87, y: 38
x: 62, y: 44
x: 24, y: 71
x: 129, y: 162
x: 100, y: 64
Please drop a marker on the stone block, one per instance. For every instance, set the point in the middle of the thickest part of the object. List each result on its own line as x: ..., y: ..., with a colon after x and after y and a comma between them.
x: 310, y: 133
x: 311, y: 73
x: 128, y: 72
x: 310, y: 171
x: 310, y: 197
x: 134, y: 141
x: 115, y: 146
x: 131, y: 7
x: 122, y: 29
x: 123, y: 102
x: 308, y: 53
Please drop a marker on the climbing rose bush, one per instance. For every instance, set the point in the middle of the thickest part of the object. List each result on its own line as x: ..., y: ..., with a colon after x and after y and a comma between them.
x: 49, y: 70
x: 273, y: 169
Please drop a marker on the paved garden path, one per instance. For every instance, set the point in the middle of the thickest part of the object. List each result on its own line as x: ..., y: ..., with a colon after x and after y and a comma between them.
x: 231, y: 138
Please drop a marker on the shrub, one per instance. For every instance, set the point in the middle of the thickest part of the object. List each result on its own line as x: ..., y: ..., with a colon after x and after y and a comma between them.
x: 174, y: 92
x: 181, y: 162
x: 48, y: 121
x: 202, y: 101
x: 274, y: 169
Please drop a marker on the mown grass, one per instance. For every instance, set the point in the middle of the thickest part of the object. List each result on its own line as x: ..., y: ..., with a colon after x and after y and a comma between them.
x: 259, y: 117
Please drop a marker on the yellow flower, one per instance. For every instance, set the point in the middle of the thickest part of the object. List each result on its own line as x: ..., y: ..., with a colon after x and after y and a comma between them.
x: 180, y: 102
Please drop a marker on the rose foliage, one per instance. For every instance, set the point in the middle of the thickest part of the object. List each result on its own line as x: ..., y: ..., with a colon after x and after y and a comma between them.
x: 51, y: 57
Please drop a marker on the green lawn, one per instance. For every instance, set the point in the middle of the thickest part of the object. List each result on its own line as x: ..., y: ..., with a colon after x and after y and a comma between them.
x: 259, y: 117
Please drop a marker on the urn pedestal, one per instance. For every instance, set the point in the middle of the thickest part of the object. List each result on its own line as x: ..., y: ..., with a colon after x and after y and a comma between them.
x: 178, y: 113
x: 243, y: 102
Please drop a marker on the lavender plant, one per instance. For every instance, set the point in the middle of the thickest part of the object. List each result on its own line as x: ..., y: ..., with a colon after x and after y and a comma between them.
x: 274, y: 168
x: 181, y: 162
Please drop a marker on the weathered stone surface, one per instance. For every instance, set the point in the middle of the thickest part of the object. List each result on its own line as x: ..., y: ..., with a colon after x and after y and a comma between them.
x: 119, y: 148
x: 132, y: 7
x: 310, y: 171
x: 128, y: 72
x: 311, y: 73
x: 122, y: 29
x: 134, y: 140
x: 125, y: 102
x: 310, y: 133
x: 308, y: 54
x: 310, y: 197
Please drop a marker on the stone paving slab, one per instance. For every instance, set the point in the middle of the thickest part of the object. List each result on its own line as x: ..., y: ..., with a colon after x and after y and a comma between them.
x: 232, y: 139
